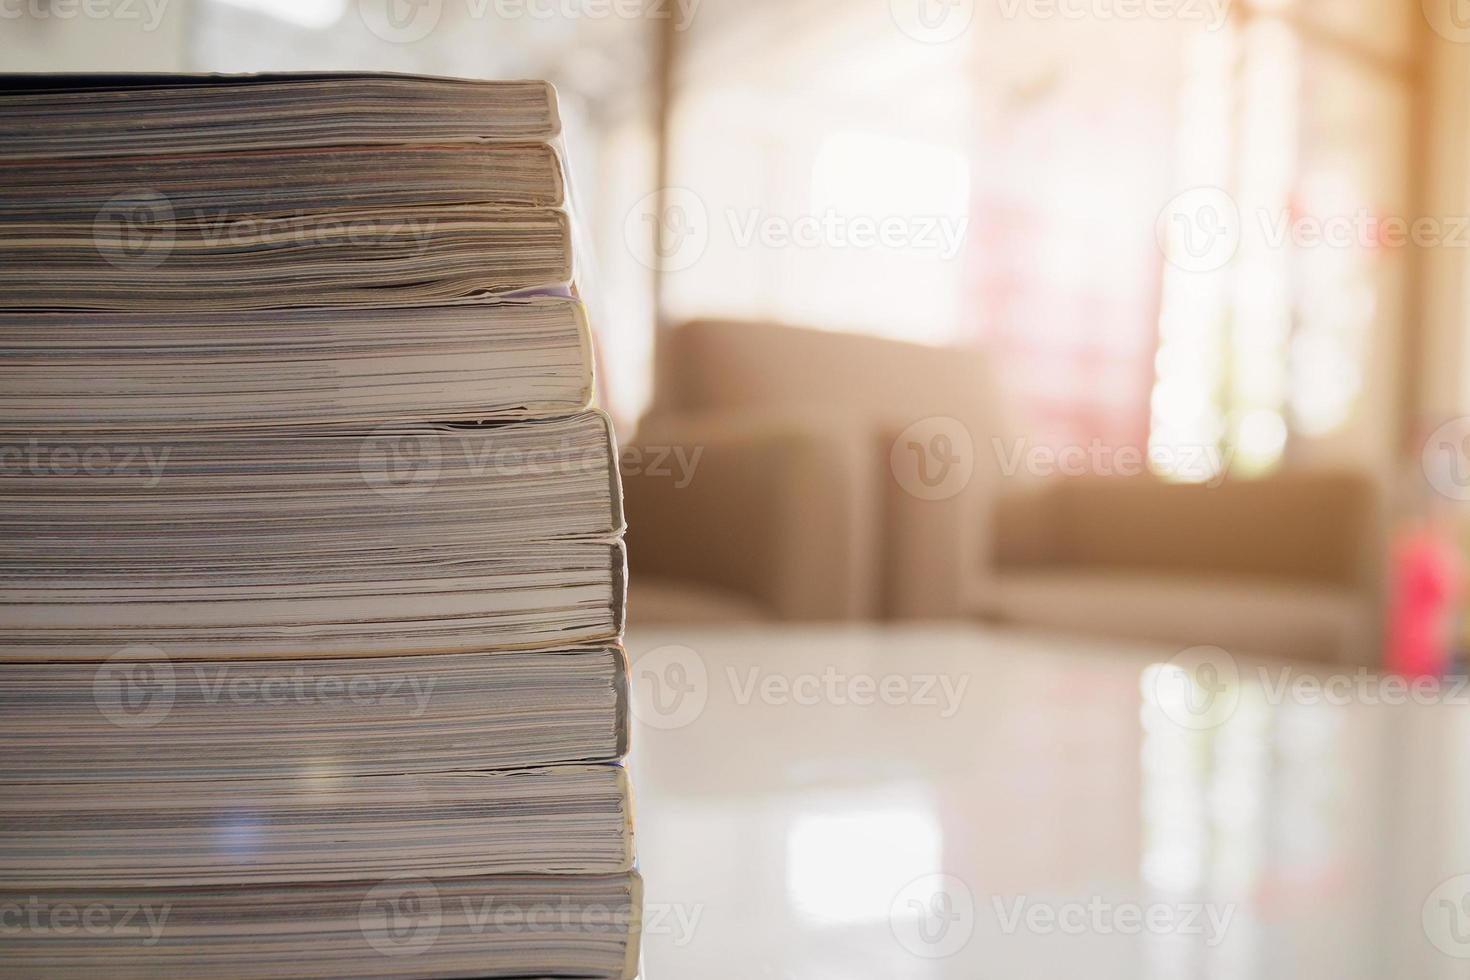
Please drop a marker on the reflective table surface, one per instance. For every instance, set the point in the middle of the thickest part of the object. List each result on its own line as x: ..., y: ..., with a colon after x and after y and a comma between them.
x: 948, y: 802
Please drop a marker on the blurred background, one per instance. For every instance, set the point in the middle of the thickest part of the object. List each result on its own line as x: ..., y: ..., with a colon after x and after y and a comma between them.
x: 1123, y: 317
x: 1139, y: 325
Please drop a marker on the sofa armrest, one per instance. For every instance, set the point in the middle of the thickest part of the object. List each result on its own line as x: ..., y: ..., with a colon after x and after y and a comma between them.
x: 937, y: 538
x: 780, y: 512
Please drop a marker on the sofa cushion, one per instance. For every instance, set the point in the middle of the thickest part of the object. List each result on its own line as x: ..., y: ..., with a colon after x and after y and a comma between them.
x: 1241, y: 615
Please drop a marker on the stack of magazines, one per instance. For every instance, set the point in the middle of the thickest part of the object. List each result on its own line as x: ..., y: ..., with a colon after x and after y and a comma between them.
x: 311, y: 564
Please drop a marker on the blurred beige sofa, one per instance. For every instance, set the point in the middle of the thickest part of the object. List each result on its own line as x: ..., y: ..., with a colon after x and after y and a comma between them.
x: 1284, y: 565
x: 736, y: 521
x: 800, y: 427
x: 732, y: 377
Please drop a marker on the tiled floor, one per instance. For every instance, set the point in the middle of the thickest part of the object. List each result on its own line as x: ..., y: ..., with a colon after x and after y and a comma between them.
x: 951, y: 803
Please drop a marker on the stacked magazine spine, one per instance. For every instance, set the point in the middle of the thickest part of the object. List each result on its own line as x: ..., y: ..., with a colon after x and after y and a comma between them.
x: 311, y: 565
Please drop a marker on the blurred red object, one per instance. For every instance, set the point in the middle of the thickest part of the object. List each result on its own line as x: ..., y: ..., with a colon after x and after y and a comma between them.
x: 1427, y: 578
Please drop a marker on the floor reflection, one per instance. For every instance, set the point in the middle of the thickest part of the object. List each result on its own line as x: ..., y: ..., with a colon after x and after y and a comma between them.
x: 1068, y: 819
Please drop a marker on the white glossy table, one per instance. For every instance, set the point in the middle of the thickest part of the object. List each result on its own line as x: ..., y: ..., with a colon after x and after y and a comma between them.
x: 818, y: 805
